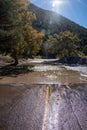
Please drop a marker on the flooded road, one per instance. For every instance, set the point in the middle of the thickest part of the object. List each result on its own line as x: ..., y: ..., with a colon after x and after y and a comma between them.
x: 48, y: 74
x: 51, y: 97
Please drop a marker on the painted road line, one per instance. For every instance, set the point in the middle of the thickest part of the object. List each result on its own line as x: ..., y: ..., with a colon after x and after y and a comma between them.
x: 44, y: 127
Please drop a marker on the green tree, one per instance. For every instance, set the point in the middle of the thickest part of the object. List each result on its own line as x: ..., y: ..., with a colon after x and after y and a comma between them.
x: 11, y: 26
x: 63, y: 44
x: 15, y: 28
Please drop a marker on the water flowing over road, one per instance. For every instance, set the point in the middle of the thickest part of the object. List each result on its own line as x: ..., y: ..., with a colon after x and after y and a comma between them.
x: 50, y: 97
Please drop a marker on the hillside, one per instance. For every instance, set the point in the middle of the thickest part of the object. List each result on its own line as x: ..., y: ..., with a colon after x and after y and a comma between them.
x: 51, y: 22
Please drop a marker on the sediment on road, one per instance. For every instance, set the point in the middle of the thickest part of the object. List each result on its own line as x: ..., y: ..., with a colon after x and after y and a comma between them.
x: 43, y: 106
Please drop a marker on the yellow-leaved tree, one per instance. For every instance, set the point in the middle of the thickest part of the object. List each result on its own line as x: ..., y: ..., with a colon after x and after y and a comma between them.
x: 17, y: 36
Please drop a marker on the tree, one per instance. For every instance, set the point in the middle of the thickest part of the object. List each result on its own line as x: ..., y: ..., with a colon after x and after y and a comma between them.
x: 33, y: 41
x: 15, y: 28
x: 10, y: 27
x: 32, y: 38
x: 63, y: 44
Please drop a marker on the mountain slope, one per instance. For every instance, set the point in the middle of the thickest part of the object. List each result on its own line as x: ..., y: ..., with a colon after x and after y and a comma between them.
x: 50, y: 22
x: 49, y: 19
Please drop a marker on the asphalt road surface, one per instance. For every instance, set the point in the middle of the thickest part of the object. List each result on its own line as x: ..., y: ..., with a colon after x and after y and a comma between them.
x: 43, y: 107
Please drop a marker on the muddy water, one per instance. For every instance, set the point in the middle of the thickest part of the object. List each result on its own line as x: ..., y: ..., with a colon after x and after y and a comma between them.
x: 53, y: 106
x: 46, y: 74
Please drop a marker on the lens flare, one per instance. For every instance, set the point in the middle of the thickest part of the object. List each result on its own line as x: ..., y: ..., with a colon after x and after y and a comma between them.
x: 56, y: 3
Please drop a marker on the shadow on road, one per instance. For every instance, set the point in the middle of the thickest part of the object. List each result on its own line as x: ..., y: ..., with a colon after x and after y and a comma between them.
x: 10, y: 70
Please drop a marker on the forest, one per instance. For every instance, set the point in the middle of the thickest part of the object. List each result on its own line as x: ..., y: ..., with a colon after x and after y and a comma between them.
x: 27, y: 31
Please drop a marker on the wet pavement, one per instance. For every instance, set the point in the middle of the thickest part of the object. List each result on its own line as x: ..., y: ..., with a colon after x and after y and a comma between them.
x: 21, y: 107
x: 43, y: 107
x: 45, y: 74
x: 67, y: 109
x: 49, y: 98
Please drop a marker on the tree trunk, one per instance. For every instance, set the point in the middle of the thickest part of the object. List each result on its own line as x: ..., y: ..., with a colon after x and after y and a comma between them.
x: 14, y: 56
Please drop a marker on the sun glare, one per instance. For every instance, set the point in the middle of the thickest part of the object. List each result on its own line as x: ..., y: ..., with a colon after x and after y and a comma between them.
x: 57, y: 4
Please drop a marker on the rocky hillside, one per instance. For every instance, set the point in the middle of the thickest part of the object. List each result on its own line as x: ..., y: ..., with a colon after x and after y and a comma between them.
x: 50, y: 22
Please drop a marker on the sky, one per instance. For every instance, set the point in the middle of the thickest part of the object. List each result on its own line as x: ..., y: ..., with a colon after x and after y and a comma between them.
x: 75, y: 10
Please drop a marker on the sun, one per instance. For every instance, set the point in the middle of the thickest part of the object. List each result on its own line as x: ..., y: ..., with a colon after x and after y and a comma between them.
x: 57, y: 3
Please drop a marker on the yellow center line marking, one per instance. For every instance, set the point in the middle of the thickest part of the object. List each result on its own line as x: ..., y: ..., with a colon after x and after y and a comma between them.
x: 45, y: 108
